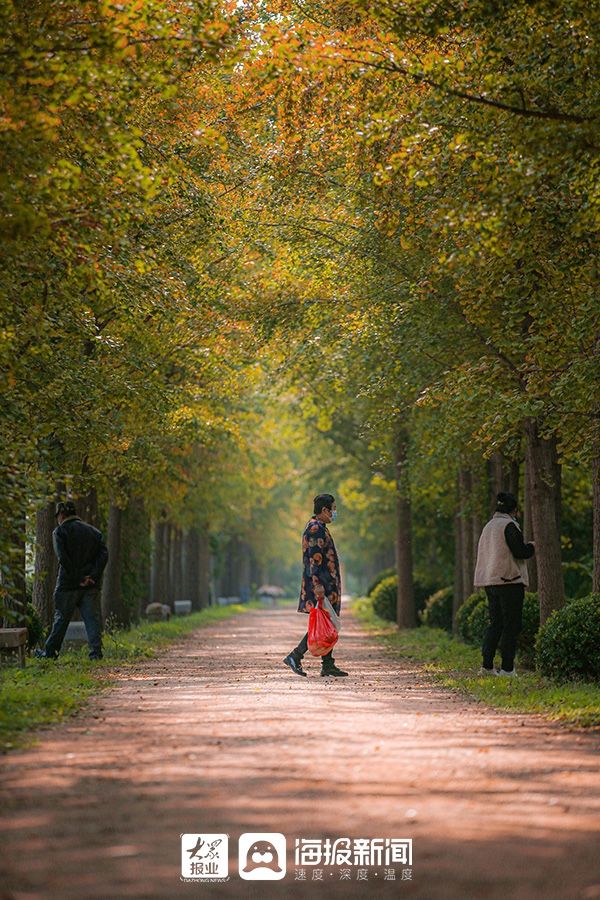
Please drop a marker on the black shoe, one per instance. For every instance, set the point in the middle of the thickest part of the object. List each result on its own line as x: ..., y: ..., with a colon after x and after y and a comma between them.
x: 332, y: 669
x: 295, y: 665
x: 41, y: 654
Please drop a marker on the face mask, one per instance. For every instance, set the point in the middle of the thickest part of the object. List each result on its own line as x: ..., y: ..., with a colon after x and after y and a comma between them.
x: 333, y: 515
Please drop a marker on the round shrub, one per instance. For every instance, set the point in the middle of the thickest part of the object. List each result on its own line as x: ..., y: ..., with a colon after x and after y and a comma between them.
x: 464, y: 611
x: 567, y: 644
x: 478, y: 621
x: 438, y: 609
x: 384, y: 598
x: 385, y: 573
x: 423, y: 590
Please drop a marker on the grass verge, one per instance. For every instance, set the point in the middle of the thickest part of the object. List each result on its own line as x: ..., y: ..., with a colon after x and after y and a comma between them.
x: 47, y: 690
x: 455, y: 664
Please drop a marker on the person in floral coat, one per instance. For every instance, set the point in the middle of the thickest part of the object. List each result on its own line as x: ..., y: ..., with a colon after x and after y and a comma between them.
x: 320, y: 578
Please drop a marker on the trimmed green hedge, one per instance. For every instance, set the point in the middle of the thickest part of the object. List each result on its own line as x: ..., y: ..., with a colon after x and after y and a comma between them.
x: 385, y: 573
x: 568, y: 644
x: 384, y: 597
x: 438, y: 609
x: 462, y: 616
x: 424, y: 590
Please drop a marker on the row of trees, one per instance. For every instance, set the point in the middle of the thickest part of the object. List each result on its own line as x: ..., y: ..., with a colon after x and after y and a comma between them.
x: 129, y: 383
x: 417, y: 200
x: 249, y: 249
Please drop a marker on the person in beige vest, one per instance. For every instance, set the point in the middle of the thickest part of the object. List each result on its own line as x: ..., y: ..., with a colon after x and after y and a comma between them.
x: 501, y: 569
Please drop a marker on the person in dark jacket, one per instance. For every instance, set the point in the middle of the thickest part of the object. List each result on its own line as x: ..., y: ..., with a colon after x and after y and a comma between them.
x: 320, y: 579
x: 82, y: 556
x: 501, y: 569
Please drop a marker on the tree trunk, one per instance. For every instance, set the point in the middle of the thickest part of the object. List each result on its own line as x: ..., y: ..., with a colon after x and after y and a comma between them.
x: 154, y: 562
x: 405, y: 605
x: 244, y: 572
x: 544, y: 472
x: 214, y: 591
x: 177, y: 583
x: 170, y: 542
x: 169, y: 555
x: 160, y: 570
x: 136, y: 557
x: 191, y: 567
x: 405, y: 610
x: 476, y: 524
x: 256, y: 571
x: 596, y: 514
x: 458, y: 593
x: 465, y: 481
x: 204, y: 568
x: 170, y: 563
x: 181, y: 586
x: 231, y: 565
x: 45, y: 565
x: 528, y: 530
x: 113, y: 607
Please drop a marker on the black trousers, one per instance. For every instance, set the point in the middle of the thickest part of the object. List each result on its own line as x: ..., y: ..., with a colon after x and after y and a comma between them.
x: 302, y: 647
x: 88, y: 601
x: 505, y: 602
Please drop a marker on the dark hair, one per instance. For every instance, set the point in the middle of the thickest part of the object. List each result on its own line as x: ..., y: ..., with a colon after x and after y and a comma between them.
x: 506, y: 502
x: 323, y: 500
x: 65, y: 508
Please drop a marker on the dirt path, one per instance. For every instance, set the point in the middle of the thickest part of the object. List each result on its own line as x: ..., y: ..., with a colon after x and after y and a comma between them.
x: 218, y: 736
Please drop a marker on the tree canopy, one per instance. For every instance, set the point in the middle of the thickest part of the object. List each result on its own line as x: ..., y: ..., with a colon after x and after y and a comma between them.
x: 252, y: 251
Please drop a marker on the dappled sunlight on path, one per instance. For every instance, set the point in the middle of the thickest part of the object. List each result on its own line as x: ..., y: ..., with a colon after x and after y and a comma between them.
x: 217, y: 735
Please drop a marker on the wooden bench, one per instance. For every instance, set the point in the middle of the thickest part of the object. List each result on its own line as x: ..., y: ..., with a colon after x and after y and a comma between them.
x: 14, y: 638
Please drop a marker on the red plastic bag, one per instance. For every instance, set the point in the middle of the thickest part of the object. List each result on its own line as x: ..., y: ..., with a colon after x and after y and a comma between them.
x: 321, y: 632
